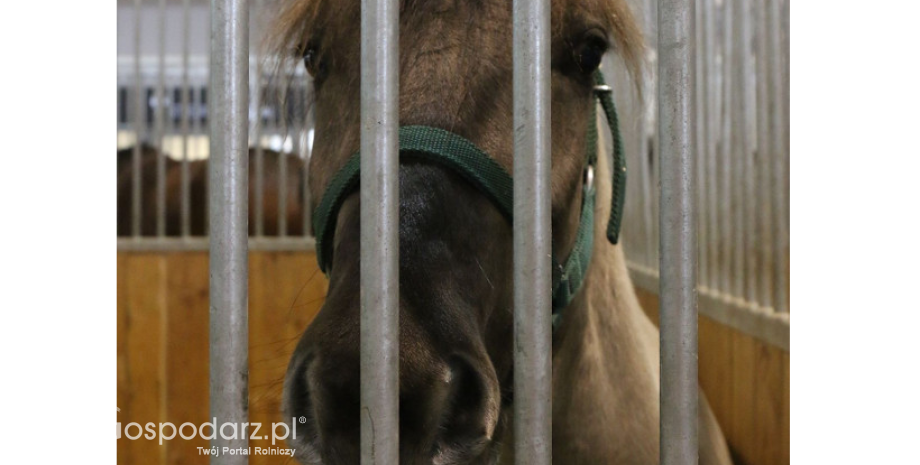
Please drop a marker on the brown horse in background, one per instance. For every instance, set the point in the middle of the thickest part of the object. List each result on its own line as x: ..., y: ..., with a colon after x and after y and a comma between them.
x: 455, y: 248
x: 198, y: 193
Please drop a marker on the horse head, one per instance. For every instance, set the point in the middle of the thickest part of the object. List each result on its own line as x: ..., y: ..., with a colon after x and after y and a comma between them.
x: 455, y: 245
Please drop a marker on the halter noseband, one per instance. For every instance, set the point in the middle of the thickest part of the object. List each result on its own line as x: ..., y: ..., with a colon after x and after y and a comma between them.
x: 476, y: 167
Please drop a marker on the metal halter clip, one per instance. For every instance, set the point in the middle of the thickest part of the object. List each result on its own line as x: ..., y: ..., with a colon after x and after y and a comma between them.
x: 603, y: 89
x: 589, y: 178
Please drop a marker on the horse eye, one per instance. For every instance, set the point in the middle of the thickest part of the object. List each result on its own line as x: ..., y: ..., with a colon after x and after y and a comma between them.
x: 590, y: 55
x: 309, y: 61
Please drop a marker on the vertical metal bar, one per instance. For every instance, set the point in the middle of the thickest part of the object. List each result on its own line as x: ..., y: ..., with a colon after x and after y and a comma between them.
x: 744, y: 177
x: 734, y: 153
x: 186, y: 51
x: 712, y: 124
x: 780, y: 160
x: 379, y: 232
x: 532, y: 234
x: 726, y: 193
x: 752, y: 258
x: 678, y: 318
x: 762, y: 237
x: 259, y: 190
x: 139, y: 122
x: 634, y: 211
x: 701, y: 137
x: 785, y: 140
x: 283, y: 187
x: 160, y: 124
x: 228, y: 193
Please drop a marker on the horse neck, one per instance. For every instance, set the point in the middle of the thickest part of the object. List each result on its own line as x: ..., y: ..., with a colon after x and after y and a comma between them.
x: 608, y: 307
x: 606, y: 322
x: 605, y: 358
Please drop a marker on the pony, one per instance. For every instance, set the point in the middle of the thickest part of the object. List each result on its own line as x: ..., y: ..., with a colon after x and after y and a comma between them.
x: 455, y: 248
x: 198, y: 193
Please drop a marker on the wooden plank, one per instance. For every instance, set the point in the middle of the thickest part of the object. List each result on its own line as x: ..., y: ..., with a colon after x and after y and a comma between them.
x: 744, y: 380
x: 124, y: 386
x: 186, y: 348
x: 785, y: 420
x: 286, y: 291
x: 142, y: 308
x: 716, y: 375
x: 768, y: 408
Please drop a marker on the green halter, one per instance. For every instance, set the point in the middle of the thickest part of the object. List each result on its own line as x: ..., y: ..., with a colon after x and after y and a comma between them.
x: 476, y: 167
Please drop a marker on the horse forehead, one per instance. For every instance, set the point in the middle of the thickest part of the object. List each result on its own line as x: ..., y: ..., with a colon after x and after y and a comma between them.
x: 424, y: 9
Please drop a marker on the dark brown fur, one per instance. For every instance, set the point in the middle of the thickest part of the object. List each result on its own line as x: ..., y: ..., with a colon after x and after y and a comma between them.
x: 455, y: 250
x: 198, y: 212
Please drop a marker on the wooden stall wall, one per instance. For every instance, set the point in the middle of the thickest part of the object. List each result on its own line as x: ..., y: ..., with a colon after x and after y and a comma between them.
x: 163, y: 356
x: 163, y: 344
x: 747, y: 384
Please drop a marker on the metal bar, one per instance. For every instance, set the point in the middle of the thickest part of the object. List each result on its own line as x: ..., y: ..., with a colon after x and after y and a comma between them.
x: 139, y: 122
x: 712, y: 124
x: 259, y: 190
x: 779, y: 162
x: 701, y: 138
x: 678, y: 265
x: 532, y: 234
x: 735, y: 152
x: 745, y: 254
x: 632, y: 108
x: 781, y: 169
x: 186, y: 51
x: 229, y: 202
x: 283, y: 190
x: 762, y: 236
x: 725, y: 154
x: 159, y: 123
x: 379, y: 232
x: 753, y: 270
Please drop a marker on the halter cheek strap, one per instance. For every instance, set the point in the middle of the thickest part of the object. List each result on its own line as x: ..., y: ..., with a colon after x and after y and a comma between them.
x: 476, y: 167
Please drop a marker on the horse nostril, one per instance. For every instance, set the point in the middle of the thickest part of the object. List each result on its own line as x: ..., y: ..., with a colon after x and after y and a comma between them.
x: 325, y: 396
x: 471, y: 410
